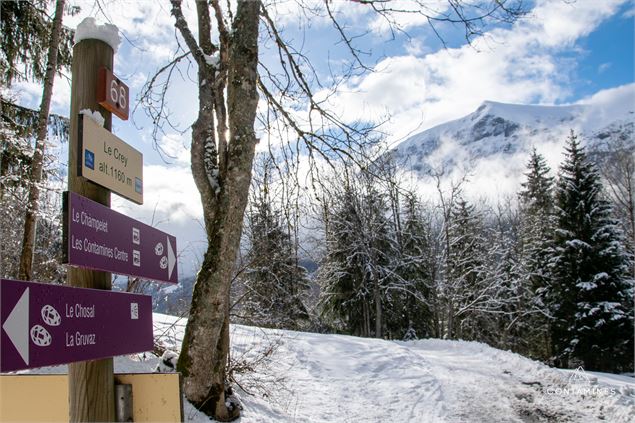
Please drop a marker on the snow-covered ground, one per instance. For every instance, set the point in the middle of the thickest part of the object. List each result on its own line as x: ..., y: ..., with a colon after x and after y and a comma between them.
x: 333, y: 378
x: 316, y: 378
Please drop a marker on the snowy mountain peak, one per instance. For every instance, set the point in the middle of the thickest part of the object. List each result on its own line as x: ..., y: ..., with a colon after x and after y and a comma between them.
x: 528, y: 114
x: 496, y: 131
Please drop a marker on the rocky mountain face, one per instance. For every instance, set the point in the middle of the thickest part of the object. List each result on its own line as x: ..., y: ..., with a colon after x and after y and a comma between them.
x: 510, y: 131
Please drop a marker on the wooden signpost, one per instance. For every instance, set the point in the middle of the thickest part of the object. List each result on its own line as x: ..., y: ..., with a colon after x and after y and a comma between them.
x: 43, y: 324
x: 91, y: 391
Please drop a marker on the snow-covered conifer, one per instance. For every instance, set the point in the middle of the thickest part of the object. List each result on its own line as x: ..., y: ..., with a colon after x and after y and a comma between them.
x: 415, y: 305
x: 274, y: 283
x: 465, y: 270
x: 591, y: 293
x: 358, y: 271
x: 536, y: 233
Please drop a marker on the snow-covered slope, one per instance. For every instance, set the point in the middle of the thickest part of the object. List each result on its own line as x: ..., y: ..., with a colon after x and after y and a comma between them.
x: 313, y: 378
x: 498, y: 131
x: 332, y: 378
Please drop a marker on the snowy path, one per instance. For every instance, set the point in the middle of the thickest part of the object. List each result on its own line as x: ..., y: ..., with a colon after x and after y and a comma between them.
x: 353, y: 380
x: 333, y: 378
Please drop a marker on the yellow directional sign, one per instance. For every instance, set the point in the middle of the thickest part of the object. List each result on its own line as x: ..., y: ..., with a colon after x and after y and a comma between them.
x: 110, y: 162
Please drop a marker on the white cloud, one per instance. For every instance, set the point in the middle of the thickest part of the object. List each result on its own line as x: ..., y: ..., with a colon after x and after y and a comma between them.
x: 624, y: 96
x: 515, y: 65
x: 561, y: 23
x: 169, y: 194
x: 610, y: 104
x: 176, y: 146
x: 417, y: 46
x: 604, y: 67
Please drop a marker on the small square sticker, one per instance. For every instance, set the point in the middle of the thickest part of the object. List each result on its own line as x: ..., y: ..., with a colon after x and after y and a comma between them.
x: 136, y: 236
x: 138, y: 185
x: 134, y: 311
x: 136, y: 258
x: 89, y: 159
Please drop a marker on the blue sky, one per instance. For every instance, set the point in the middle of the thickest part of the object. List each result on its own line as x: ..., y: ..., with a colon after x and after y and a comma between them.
x: 561, y: 53
x: 607, y: 57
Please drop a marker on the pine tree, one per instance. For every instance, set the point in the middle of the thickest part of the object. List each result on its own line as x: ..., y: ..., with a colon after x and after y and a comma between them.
x: 412, y: 313
x: 537, y: 228
x: 25, y: 30
x: 465, y: 269
x: 357, y: 274
x: 275, y: 283
x: 16, y: 158
x: 591, y: 293
x: 536, y: 201
x: 34, y: 47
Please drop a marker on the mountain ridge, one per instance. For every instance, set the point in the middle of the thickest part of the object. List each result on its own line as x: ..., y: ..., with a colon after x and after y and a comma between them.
x: 497, y: 128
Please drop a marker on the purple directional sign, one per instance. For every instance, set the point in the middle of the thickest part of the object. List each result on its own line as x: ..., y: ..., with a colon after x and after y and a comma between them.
x: 46, y: 324
x: 99, y: 238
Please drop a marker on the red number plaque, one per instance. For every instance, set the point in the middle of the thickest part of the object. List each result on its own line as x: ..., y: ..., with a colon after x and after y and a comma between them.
x: 113, y: 94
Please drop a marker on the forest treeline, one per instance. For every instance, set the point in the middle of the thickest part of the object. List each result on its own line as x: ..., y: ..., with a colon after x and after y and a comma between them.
x: 548, y: 274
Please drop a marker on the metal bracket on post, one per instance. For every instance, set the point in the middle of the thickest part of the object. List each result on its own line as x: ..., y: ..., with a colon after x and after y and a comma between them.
x: 123, y: 403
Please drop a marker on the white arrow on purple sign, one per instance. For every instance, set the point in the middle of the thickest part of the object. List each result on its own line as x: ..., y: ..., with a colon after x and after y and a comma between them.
x: 17, y: 326
x: 99, y: 238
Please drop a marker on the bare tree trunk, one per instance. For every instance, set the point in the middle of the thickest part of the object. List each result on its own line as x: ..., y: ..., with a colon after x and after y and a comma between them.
x: 450, y: 332
x: 366, y: 323
x: 35, y: 176
x: 630, y: 206
x: 377, y: 308
x: 224, y: 194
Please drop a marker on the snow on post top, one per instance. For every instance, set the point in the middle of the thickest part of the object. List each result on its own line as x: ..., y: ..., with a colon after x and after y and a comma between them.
x: 96, y: 116
x: 88, y: 29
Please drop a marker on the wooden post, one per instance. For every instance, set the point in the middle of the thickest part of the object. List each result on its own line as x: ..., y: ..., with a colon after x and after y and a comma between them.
x: 91, y: 389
